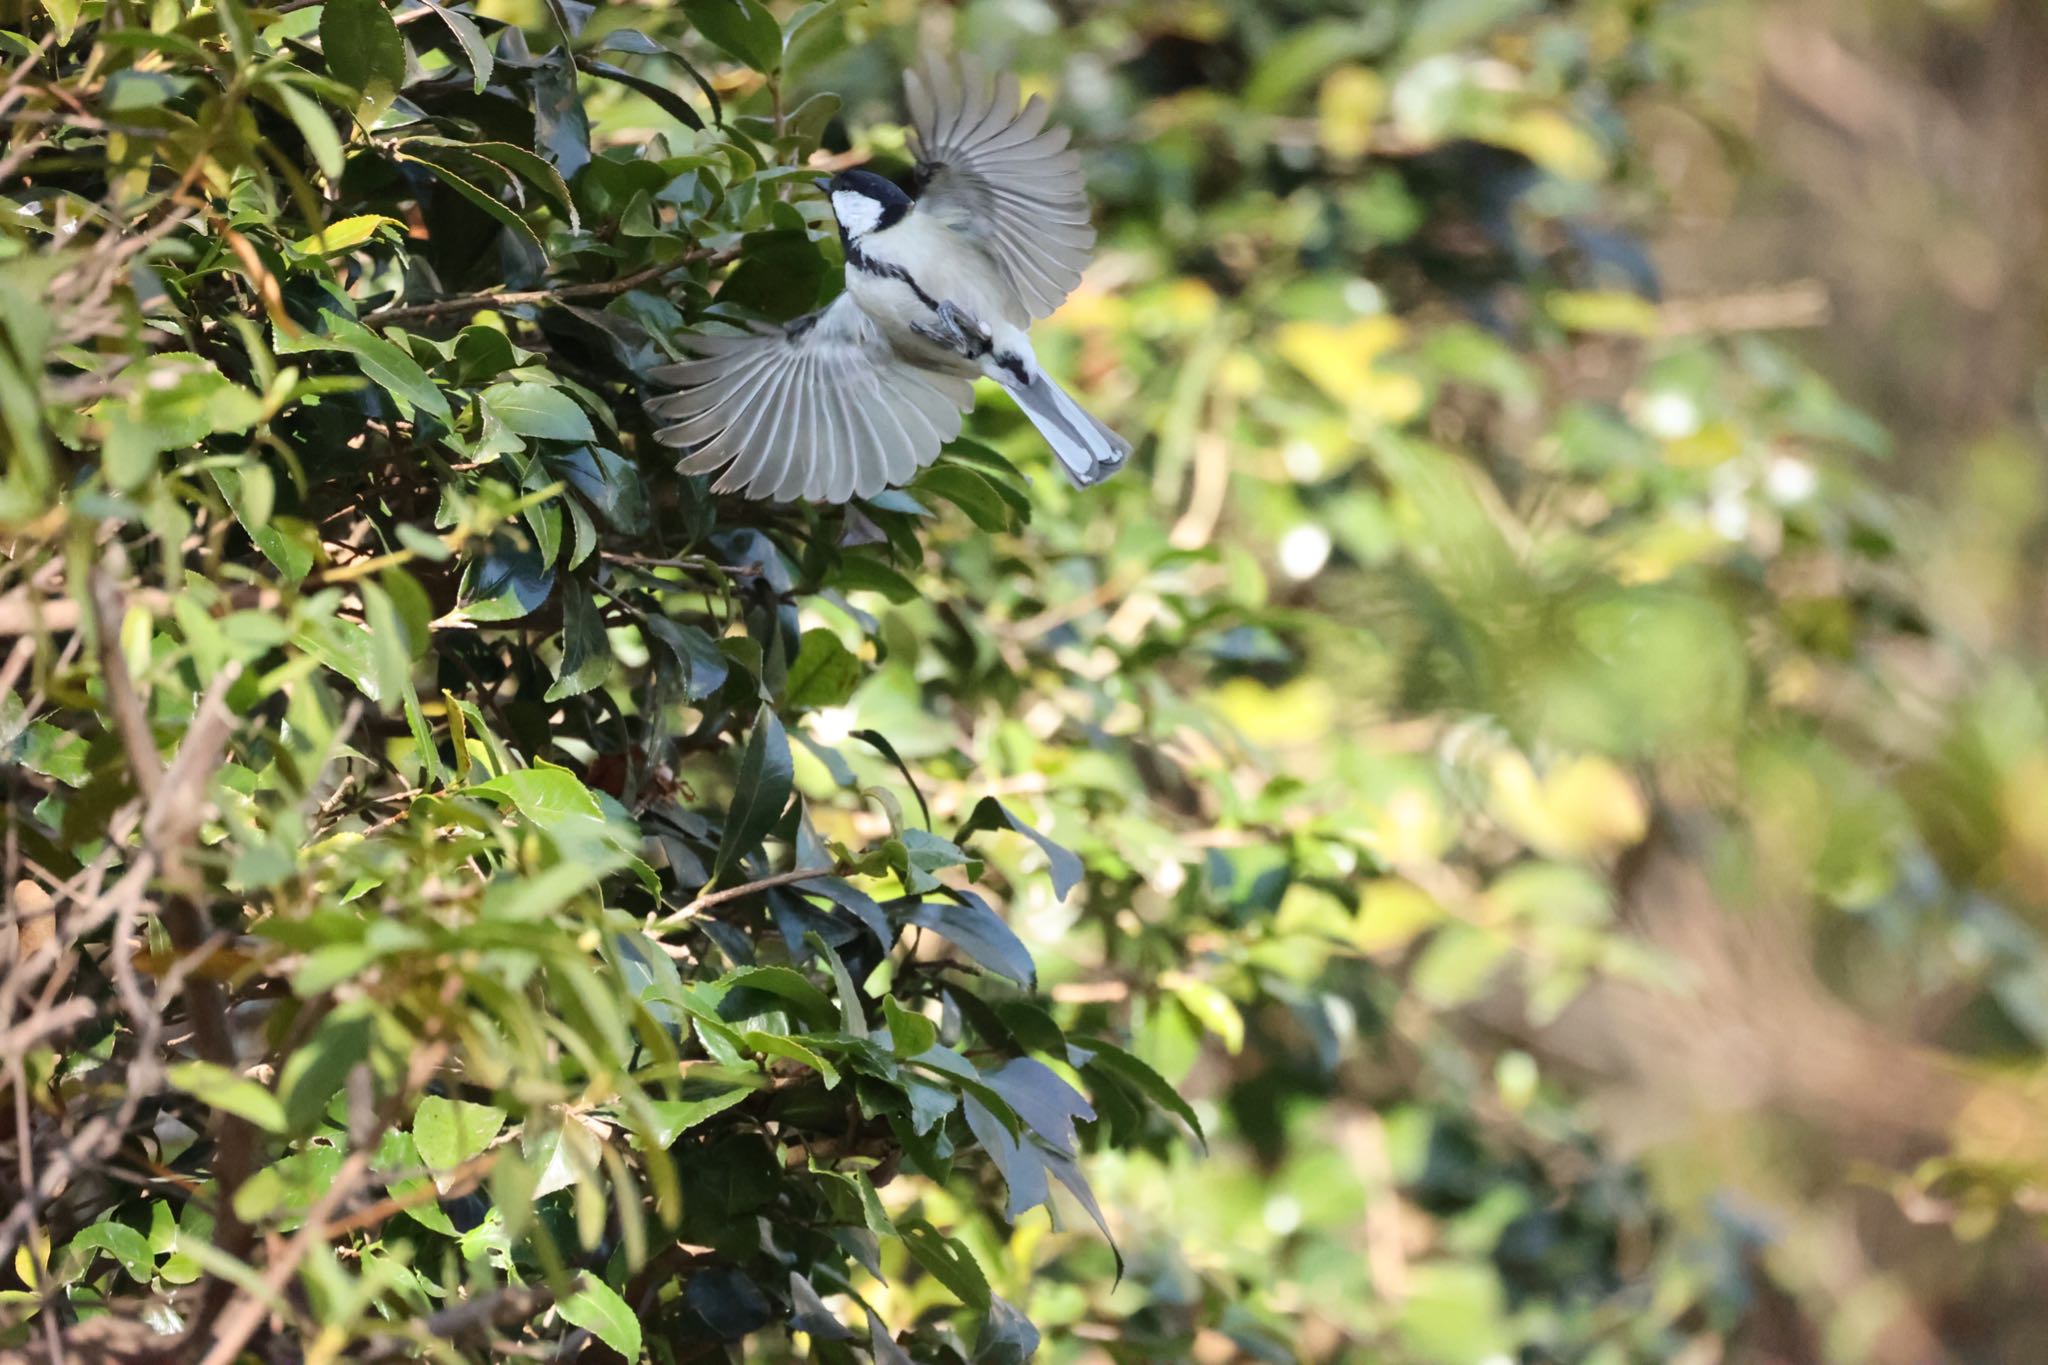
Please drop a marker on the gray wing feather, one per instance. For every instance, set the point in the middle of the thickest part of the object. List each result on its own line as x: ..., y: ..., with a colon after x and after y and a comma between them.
x: 998, y: 174
x: 825, y: 411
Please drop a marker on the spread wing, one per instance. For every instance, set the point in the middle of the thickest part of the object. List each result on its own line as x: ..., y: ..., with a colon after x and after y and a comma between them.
x: 821, y: 409
x: 998, y: 174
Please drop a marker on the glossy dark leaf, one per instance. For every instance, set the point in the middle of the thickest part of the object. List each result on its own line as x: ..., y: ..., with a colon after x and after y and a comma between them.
x: 1046, y: 1103
x: 1017, y: 1159
x: 763, y: 788
x: 1128, y: 1069
x: 586, y: 653
x: 729, y: 1302
x: 880, y: 742
x: 667, y: 100
x: 780, y: 273
x: 474, y: 50
x: 703, y: 665
x: 971, y: 926
x: 989, y: 813
x: 560, y: 125
x: 1007, y: 1336
x: 808, y: 1313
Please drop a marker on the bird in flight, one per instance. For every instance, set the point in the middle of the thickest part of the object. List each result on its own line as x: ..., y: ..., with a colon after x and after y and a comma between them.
x: 940, y: 289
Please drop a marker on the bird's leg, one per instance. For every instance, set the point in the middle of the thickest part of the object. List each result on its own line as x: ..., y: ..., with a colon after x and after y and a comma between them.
x: 957, y: 331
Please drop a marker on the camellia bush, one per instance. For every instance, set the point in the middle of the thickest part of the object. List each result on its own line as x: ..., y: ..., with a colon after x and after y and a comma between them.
x: 437, y: 945
x: 1495, y: 839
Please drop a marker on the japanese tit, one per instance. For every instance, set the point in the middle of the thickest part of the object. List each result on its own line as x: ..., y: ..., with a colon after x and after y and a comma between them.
x: 940, y: 290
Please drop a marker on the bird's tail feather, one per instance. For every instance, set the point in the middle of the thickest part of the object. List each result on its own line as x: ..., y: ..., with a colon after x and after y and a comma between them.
x: 1088, y: 451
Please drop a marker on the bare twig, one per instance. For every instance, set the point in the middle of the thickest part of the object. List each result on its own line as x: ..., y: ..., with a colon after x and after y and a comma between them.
x: 44, y: 1024
x: 470, y: 303
x: 131, y: 723
x: 241, y: 1319
x: 733, y: 893
x: 233, y: 1328
x: 1800, y: 305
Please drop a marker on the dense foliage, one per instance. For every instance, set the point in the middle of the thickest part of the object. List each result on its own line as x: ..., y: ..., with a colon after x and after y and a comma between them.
x: 1494, y: 765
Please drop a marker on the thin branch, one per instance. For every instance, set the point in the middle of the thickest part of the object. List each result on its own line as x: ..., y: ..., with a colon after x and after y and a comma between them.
x: 469, y: 303
x: 733, y: 893
x: 130, y: 722
x: 43, y: 1024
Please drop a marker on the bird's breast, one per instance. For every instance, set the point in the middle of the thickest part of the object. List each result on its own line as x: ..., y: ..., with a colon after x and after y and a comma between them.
x: 899, y: 277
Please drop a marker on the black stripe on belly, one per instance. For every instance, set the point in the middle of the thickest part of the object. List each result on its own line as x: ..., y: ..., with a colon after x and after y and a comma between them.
x: 868, y: 265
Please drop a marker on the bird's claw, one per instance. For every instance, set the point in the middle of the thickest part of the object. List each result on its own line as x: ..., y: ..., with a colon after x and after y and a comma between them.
x: 957, y: 331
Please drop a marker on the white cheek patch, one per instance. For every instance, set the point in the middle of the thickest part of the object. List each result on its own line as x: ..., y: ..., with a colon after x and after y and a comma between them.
x: 856, y: 213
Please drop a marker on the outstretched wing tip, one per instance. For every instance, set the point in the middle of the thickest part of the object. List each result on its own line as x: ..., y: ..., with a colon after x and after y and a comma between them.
x: 999, y: 172
x: 826, y: 412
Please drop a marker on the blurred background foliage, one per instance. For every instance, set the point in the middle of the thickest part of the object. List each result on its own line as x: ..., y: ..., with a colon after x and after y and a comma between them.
x: 1550, y: 720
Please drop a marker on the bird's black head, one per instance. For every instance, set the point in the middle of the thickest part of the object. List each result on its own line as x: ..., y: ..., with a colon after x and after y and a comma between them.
x: 864, y: 202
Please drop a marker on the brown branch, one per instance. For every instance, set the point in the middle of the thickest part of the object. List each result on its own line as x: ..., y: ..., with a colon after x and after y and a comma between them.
x: 43, y: 1024
x: 506, y: 1307
x: 130, y: 722
x: 233, y: 1328
x: 461, y: 1180
x: 175, y: 800
x: 469, y: 303
x: 733, y: 893
x: 246, y: 1314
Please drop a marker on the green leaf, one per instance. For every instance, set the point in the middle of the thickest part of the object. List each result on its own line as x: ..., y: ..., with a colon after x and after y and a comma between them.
x: 544, y: 795
x: 909, y: 1034
x: 948, y: 1261
x: 878, y: 741
x: 315, y: 125
x: 389, y: 367
x: 483, y: 199
x: 481, y: 352
x: 666, y: 99
x: 632, y: 40
x: 536, y: 410
x: 1216, y: 1012
x: 989, y: 813
x: 344, y: 235
x: 741, y: 27
x: 1113, y: 1061
x: 287, y: 543
x: 315, y: 1072
x: 979, y: 932
x: 673, y: 1118
x: 852, y: 1019
x: 766, y: 779
x: 777, y: 1045
x: 391, y: 657
x: 123, y: 1243
x: 513, y: 159
x: 449, y: 1132
x: 824, y: 672
x: 704, y: 666
x: 586, y: 653
x: 63, y: 18
x: 597, y: 1308
x: 474, y: 50
x: 219, y: 1088
x: 361, y: 44
x: 812, y: 1005
x: 970, y: 492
